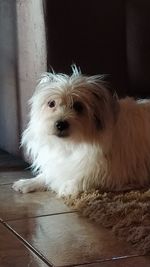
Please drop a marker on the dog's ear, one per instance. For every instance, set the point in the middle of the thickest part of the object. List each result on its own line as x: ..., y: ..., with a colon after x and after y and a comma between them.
x: 99, y: 123
x: 99, y: 107
x: 105, y: 107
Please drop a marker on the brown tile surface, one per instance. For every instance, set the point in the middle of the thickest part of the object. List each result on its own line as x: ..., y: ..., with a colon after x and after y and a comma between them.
x: 67, y: 239
x: 63, y: 239
x: 129, y: 262
x: 14, y: 254
x: 15, y: 205
x: 11, y: 176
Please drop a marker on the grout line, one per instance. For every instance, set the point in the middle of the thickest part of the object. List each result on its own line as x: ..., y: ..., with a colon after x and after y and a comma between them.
x: 6, y: 184
x: 40, y: 216
x: 27, y: 244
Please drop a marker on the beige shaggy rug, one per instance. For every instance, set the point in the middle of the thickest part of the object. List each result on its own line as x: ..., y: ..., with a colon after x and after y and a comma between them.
x: 126, y: 214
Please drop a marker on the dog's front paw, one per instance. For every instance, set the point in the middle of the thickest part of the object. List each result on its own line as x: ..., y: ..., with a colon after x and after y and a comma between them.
x: 30, y: 185
x: 23, y: 186
x: 68, y: 188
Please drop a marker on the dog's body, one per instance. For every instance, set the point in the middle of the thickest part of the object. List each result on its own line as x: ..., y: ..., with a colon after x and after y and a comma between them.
x: 81, y: 137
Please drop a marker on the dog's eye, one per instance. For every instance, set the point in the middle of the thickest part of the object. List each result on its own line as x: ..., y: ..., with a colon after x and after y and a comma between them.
x: 78, y: 107
x: 51, y: 103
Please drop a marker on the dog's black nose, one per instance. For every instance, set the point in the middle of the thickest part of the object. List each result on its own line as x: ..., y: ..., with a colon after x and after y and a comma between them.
x: 62, y: 125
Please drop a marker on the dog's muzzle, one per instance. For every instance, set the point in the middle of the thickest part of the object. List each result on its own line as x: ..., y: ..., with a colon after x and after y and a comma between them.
x: 62, y: 127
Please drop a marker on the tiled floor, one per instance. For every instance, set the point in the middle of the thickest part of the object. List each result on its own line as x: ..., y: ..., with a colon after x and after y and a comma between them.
x: 39, y: 230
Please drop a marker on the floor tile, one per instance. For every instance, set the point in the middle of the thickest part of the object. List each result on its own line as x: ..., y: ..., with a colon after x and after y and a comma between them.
x: 129, y: 262
x: 16, y: 205
x: 68, y: 239
x: 8, y: 177
x: 14, y: 254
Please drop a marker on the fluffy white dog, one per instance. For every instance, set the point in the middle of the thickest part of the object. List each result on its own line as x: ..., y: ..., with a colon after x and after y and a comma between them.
x: 81, y: 137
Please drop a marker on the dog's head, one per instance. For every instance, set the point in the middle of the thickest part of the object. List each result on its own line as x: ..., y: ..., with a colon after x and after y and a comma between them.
x: 77, y: 106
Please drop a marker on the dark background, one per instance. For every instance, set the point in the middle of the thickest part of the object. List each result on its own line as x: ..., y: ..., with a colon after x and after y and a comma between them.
x: 102, y: 37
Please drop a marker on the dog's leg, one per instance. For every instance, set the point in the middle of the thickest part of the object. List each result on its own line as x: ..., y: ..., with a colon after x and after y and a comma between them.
x: 30, y: 185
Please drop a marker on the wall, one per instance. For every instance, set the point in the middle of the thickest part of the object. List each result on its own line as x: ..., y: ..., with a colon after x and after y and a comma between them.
x: 31, y: 50
x: 23, y: 59
x: 8, y: 71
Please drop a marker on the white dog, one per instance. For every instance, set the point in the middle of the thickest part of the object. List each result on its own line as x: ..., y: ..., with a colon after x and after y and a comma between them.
x: 80, y: 137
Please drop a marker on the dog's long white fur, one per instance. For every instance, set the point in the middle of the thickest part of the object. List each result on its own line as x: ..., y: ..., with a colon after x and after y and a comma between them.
x: 107, y: 146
